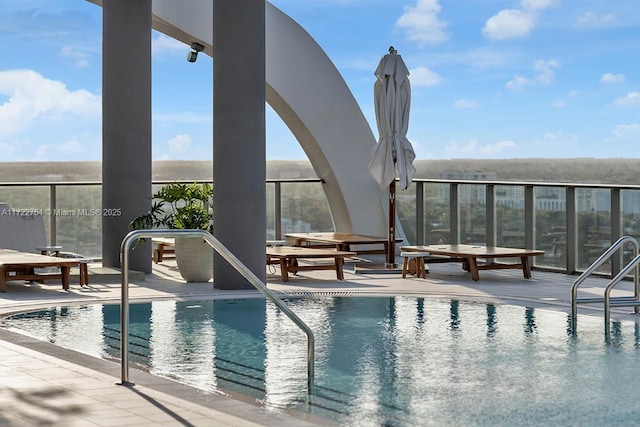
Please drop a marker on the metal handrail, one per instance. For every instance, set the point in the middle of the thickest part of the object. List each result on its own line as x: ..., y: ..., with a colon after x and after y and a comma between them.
x: 612, y: 284
x: 593, y: 267
x: 135, y: 235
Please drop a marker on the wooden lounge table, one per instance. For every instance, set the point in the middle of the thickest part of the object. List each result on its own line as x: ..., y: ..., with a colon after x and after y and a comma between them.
x: 288, y: 256
x: 469, y: 254
x: 341, y: 241
x: 16, y: 265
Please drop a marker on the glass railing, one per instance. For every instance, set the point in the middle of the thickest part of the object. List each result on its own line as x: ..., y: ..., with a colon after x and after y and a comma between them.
x: 572, y: 223
x: 72, y: 211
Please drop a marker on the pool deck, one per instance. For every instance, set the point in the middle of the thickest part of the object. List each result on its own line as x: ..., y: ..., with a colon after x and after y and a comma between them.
x: 41, y: 384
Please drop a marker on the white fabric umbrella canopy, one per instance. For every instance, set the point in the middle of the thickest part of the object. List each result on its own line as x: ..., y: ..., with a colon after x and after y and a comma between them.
x: 393, y: 152
x: 392, y: 97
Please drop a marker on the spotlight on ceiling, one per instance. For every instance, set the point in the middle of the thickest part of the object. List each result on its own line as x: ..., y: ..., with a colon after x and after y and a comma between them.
x: 193, y: 53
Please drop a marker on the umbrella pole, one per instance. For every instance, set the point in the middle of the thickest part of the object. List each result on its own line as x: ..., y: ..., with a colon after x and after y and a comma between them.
x: 391, y: 243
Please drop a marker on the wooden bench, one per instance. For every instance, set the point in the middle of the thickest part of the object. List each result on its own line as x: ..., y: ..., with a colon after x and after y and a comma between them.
x: 469, y: 254
x: 16, y: 265
x: 287, y: 257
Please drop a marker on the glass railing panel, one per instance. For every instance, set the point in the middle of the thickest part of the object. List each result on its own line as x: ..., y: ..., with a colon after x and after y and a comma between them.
x: 79, y: 219
x: 550, y: 233
x: 28, y: 201
x: 25, y: 198
x: 630, y: 200
x: 510, y: 216
x: 305, y: 208
x: 472, y: 199
x: 271, y: 212
x: 406, y: 210
x: 593, y: 209
x: 436, y: 213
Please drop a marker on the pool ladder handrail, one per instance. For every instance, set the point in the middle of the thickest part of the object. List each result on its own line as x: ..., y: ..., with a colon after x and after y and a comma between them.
x: 621, y: 301
x: 135, y: 235
x: 607, y: 299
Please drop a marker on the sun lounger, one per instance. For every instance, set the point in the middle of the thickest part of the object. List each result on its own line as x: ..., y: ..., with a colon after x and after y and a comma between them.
x: 288, y: 256
x: 162, y: 246
x: 16, y: 265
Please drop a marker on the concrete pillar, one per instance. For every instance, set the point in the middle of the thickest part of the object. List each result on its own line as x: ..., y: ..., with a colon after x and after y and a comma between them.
x: 239, y: 159
x: 126, y: 125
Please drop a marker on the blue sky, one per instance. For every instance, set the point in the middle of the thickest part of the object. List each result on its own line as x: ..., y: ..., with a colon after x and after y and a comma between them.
x: 490, y: 78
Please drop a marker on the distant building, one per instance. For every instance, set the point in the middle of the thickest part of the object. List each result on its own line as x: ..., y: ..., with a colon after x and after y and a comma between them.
x: 512, y: 196
x: 290, y: 226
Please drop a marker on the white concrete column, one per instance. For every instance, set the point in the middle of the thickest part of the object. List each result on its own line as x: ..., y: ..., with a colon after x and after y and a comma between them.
x: 239, y: 159
x: 126, y: 125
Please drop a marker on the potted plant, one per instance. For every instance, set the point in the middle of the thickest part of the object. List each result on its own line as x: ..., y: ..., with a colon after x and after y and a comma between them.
x: 184, y: 206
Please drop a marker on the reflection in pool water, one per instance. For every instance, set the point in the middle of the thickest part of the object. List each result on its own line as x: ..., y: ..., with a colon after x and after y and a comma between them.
x: 379, y: 361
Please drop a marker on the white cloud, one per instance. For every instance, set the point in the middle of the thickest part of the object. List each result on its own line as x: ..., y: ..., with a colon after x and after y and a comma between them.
x: 32, y: 96
x: 496, y: 149
x: 544, y: 71
x: 180, y: 143
x: 465, y: 103
x: 68, y: 149
x: 612, y: 78
x: 562, y: 103
x: 543, y: 74
x: 518, y: 83
x: 458, y: 149
x: 163, y: 44
x: 509, y: 24
x: 421, y: 22
x: 78, y: 56
x: 515, y: 23
x: 631, y: 130
x: 593, y: 19
x: 537, y: 4
x: 472, y: 148
x: 632, y: 99
x: 557, y: 138
x: 422, y: 76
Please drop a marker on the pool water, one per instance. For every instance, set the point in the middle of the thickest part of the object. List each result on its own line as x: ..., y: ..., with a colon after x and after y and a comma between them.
x: 397, y: 361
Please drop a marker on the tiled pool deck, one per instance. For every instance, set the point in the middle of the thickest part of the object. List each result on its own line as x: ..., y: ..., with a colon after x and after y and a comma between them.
x: 41, y: 384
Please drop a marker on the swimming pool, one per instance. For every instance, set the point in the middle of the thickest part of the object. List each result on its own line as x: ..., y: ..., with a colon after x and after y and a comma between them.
x: 379, y: 360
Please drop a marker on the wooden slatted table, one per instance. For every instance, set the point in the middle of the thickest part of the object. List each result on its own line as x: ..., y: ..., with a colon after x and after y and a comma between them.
x: 469, y: 254
x: 341, y: 241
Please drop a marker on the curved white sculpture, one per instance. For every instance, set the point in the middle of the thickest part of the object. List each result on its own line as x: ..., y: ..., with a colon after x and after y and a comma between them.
x: 311, y: 97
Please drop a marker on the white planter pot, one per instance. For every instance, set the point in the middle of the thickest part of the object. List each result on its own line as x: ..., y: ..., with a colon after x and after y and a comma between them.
x: 194, y: 257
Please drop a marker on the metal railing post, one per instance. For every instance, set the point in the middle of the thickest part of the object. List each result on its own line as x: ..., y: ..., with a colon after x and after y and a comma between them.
x: 616, y: 229
x: 278, y: 209
x: 454, y: 214
x: 571, y: 230
x: 419, y: 213
x: 53, y: 203
x: 490, y: 215
x: 529, y: 217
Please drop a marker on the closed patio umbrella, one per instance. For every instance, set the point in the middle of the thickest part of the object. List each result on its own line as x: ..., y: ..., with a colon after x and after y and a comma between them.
x: 393, y: 152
